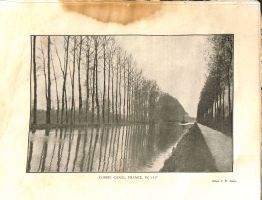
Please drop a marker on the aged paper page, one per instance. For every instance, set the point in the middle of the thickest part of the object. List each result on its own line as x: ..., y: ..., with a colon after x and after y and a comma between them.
x: 130, y: 100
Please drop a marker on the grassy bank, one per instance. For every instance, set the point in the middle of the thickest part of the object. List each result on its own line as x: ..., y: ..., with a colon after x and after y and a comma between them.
x: 191, y: 154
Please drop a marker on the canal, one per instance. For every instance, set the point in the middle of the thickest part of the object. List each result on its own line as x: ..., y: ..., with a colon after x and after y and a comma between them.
x: 118, y: 148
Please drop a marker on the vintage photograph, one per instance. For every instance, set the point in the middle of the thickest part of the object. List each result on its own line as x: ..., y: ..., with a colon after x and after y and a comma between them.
x: 131, y: 103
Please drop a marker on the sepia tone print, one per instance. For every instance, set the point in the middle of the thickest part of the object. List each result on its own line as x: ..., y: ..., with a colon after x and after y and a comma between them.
x: 131, y: 103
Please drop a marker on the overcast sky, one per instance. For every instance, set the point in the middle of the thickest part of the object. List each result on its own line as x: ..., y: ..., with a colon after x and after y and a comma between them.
x: 177, y: 63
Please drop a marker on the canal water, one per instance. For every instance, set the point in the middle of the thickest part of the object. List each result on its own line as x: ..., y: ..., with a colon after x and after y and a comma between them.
x: 121, y: 148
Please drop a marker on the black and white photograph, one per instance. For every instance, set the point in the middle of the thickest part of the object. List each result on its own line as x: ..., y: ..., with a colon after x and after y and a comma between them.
x: 131, y: 103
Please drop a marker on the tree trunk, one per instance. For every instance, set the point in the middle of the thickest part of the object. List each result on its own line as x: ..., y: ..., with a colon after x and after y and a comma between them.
x: 57, y: 97
x: 124, y: 106
x: 116, y: 94
x: 66, y: 107
x: 79, y: 82
x: 212, y: 111
x: 108, y: 93
x: 64, y: 96
x: 73, y: 85
x: 35, y: 82
x: 104, y: 89
x: 93, y: 91
x: 223, y: 105
x: 97, y: 100
x: 229, y: 92
x: 128, y: 93
x: 87, y: 83
x: 48, y: 105
x: 112, y: 99
x: 220, y: 105
x: 133, y: 100
x: 120, y: 98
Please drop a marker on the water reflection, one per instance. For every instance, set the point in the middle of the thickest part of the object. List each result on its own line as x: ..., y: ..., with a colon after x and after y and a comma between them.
x: 129, y: 148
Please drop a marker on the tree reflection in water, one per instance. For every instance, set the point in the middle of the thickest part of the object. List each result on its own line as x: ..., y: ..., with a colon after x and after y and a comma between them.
x: 122, y: 148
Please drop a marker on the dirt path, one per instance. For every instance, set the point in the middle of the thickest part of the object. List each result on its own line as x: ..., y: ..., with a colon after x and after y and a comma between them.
x: 220, y: 147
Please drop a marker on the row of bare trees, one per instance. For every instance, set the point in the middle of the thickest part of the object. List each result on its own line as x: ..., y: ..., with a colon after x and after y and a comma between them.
x: 88, y: 79
x: 215, y: 107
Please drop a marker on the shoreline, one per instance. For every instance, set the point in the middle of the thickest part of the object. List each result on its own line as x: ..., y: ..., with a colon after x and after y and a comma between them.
x: 34, y: 127
x: 191, y: 154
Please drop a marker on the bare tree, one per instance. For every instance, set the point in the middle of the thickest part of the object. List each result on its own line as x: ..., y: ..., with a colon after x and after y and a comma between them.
x: 108, y: 86
x: 44, y: 70
x: 96, y: 78
x: 87, y: 74
x: 124, y: 106
x: 119, y: 90
x: 104, y: 78
x: 93, y: 88
x: 112, y: 93
x: 56, y: 88
x: 79, y: 80
x: 48, y: 104
x: 116, y: 91
x: 72, y: 75
x: 111, y: 71
x: 64, y: 72
x: 35, y: 80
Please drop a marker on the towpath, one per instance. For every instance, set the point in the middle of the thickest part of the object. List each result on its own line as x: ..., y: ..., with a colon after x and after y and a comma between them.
x: 220, y: 147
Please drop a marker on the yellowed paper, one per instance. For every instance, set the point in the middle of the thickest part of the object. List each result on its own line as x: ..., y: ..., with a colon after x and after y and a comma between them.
x: 21, y: 20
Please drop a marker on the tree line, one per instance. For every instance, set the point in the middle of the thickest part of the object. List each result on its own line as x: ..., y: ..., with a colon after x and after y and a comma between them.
x: 88, y: 79
x: 215, y: 107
